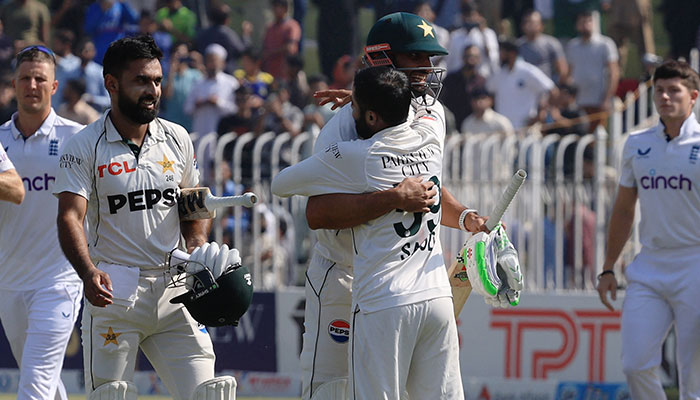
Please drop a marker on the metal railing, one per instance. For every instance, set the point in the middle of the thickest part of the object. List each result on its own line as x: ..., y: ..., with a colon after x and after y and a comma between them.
x: 558, y: 221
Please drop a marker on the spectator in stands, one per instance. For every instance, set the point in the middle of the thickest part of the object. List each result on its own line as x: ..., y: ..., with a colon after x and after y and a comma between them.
x: 336, y: 31
x: 594, y: 69
x: 458, y: 86
x: 296, y: 81
x: 7, y: 51
x: 630, y: 21
x: 74, y: 107
x: 148, y: 26
x: 492, y: 12
x: 91, y: 72
x: 483, y: 119
x: 27, y: 21
x: 281, y: 40
x: 177, y: 20
x: 425, y: 11
x: 519, y: 87
x: 343, y: 73
x: 107, y: 21
x: 566, y: 13
x: 315, y: 114
x: 279, y: 115
x: 178, y: 85
x: 245, y: 119
x: 66, y: 61
x: 8, y: 102
x: 473, y: 32
x: 220, y: 33
x: 543, y: 51
x: 251, y: 76
x: 681, y: 20
x: 213, y: 96
x: 69, y: 14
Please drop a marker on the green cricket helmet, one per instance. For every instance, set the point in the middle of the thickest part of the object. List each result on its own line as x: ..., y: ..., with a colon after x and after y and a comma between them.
x: 404, y: 32
x: 221, y: 301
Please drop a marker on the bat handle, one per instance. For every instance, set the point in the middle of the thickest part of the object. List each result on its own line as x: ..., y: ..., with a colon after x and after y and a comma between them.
x: 251, y: 198
x: 505, y: 200
x: 178, y: 256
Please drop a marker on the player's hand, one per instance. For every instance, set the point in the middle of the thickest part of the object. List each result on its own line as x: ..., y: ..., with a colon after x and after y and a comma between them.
x: 98, y: 287
x: 416, y: 195
x: 475, y: 223
x: 607, y: 283
x: 339, y: 97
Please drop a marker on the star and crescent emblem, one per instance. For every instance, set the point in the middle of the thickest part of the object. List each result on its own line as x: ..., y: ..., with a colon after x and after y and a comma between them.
x: 110, y: 337
x: 166, y: 164
x: 427, y: 29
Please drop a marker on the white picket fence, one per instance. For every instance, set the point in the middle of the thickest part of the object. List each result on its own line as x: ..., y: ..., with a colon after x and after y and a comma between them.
x: 558, y: 222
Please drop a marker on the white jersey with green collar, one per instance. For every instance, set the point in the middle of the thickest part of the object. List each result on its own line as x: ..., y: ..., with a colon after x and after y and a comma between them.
x: 667, y: 177
x: 397, y: 258
x: 132, y: 208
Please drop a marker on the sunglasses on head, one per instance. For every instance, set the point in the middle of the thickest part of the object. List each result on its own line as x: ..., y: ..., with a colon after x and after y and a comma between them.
x: 42, y: 49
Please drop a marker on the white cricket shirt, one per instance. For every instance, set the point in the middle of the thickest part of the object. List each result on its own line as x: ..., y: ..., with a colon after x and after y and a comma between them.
x: 5, y: 163
x: 132, y: 208
x: 29, y: 249
x: 336, y: 245
x: 667, y: 177
x: 397, y: 257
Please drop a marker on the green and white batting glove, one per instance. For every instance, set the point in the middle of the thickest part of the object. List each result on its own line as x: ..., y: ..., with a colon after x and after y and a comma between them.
x: 493, y: 268
x: 479, y: 256
x: 508, y: 268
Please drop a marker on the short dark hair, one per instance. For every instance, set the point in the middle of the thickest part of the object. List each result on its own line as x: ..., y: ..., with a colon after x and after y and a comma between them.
x: 385, y: 91
x: 678, y: 69
x: 36, y: 53
x: 123, y: 51
x: 219, y: 14
x: 587, y: 13
x: 508, y: 45
x: 77, y: 85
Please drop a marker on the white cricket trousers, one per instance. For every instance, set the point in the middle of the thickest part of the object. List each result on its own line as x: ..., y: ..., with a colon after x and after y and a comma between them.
x: 662, y: 291
x: 412, y: 348
x: 38, y: 324
x: 178, y: 347
x: 324, y: 354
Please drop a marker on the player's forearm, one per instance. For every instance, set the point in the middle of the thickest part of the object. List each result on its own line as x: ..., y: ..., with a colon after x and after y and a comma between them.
x: 451, y: 209
x: 195, y: 232
x: 11, y: 187
x: 73, y: 242
x: 341, y: 211
x: 620, y: 226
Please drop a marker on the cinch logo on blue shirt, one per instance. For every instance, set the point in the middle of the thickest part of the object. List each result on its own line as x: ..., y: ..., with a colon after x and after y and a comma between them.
x: 339, y: 330
x: 665, y: 182
x: 38, y: 183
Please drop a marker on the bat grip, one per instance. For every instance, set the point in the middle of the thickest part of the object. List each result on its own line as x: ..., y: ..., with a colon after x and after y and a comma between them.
x: 246, y: 200
x: 500, y: 208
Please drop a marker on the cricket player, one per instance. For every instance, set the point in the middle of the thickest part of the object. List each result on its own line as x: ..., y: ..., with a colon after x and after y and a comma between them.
x: 407, y: 42
x: 11, y: 186
x: 660, y: 167
x: 123, y: 172
x: 404, y: 335
x: 39, y: 291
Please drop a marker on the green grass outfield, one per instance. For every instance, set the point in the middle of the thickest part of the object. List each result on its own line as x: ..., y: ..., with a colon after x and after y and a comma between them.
x: 5, y: 396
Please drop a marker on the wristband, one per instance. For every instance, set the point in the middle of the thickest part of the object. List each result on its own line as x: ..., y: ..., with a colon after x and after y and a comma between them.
x: 609, y: 271
x: 462, y: 216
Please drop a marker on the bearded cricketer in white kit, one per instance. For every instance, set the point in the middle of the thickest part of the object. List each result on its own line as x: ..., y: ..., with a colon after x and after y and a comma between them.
x: 122, y: 173
x: 660, y: 167
x: 404, y: 335
x: 39, y: 291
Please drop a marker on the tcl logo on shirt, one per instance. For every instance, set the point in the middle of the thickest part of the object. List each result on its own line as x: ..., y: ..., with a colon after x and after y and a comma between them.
x: 115, y: 168
x: 139, y: 200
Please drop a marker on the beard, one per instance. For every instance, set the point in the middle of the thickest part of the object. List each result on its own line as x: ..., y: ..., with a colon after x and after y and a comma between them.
x: 134, y: 111
x: 363, y: 130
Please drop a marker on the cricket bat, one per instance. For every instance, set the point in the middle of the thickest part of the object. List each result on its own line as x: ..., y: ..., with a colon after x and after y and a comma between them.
x: 198, y: 203
x: 457, y: 273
